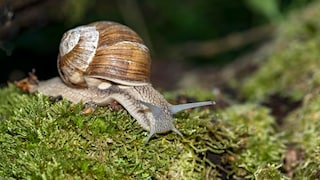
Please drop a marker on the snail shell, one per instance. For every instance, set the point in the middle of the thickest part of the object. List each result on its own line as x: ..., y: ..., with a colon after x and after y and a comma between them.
x: 103, y: 51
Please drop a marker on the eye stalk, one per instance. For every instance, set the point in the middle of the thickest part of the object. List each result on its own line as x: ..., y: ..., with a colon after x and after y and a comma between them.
x: 179, y: 107
x: 163, y: 122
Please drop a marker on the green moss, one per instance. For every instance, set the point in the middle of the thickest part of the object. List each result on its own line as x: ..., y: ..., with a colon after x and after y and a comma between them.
x: 292, y: 68
x: 42, y: 139
x: 302, y: 127
x: 259, y: 146
x: 292, y: 73
x: 269, y: 172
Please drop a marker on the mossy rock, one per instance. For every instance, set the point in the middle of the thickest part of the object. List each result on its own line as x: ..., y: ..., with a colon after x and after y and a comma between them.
x: 292, y: 72
x: 56, y: 140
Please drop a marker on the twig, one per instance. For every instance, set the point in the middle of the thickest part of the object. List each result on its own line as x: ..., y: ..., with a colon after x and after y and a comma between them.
x: 217, y: 46
x: 17, y: 15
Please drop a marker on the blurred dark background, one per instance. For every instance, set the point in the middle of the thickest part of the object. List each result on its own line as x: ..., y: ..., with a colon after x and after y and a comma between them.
x: 182, y: 35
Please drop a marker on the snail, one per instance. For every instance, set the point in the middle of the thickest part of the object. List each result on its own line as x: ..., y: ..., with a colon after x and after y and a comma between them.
x: 105, y: 61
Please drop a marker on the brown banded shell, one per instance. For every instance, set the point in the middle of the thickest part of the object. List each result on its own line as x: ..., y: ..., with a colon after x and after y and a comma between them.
x: 103, y: 51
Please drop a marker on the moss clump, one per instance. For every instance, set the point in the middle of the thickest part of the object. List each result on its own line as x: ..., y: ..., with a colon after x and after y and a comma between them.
x: 56, y: 140
x: 42, y: 139
x: 260, y: 148
x: 292, y: 68
x: 302, y: 127
x: 291, y: 73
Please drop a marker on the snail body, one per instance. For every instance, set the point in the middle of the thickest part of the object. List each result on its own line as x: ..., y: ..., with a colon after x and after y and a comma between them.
x: 105, y: 61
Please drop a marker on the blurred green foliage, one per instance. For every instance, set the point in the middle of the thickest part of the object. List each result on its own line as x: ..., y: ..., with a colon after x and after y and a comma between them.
x: 297, y: 43
x: 269, y: 8
x: 162, y: 24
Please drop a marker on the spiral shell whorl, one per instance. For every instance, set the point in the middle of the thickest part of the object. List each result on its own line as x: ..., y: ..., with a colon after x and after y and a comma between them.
x: 103, y: 51
x: 77, y: 48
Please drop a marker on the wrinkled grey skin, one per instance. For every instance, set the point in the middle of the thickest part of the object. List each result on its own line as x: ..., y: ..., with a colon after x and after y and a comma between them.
x: 143, y: 103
